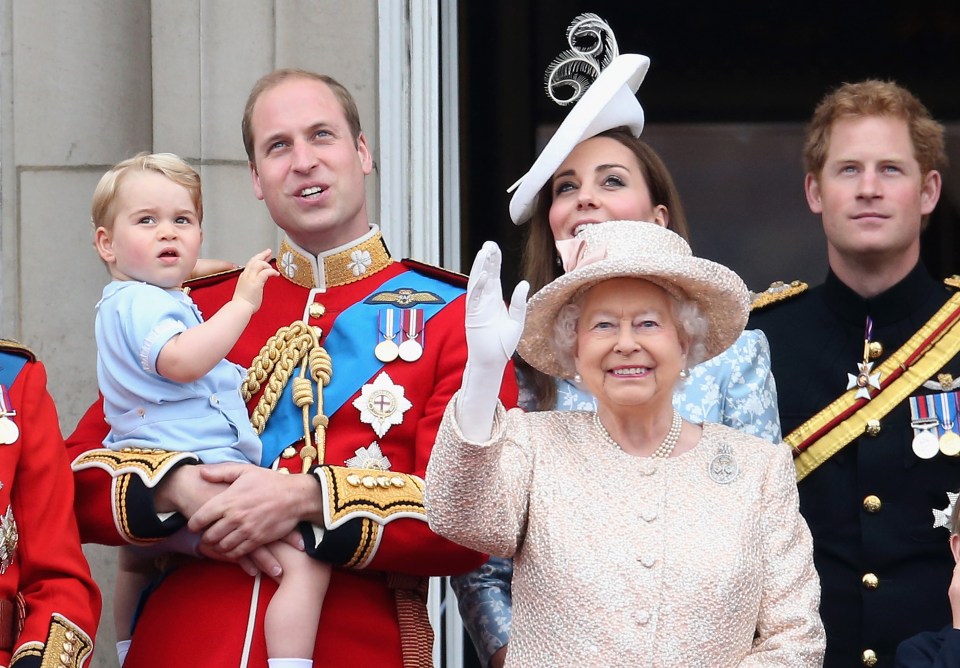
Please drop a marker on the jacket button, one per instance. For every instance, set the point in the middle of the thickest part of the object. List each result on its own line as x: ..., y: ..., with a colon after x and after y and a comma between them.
x: 872, y: 428
x: 872, y: 504
x: 870, y: 581
x: 869, y: 657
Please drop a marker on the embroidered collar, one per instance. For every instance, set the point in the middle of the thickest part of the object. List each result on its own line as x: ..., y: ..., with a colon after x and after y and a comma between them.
x: 339, y: 266
x: 897, y: 303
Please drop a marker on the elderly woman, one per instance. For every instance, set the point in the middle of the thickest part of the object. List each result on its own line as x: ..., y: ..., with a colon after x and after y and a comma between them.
x: 638, y: 538
x: 595, y: 168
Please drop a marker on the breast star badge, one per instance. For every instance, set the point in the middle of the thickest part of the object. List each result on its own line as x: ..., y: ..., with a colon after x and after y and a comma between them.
x: 382, y: 404
x: 941, y: 518
x: 370, y: 457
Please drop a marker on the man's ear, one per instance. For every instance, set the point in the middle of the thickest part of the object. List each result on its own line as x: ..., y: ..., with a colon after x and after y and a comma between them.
x: 363, y: 152
x: 930, y: 192
x: 255, y: 178
x: 811, y: 186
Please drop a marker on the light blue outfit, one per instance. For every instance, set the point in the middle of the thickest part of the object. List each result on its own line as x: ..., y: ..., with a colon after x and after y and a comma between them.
x: 735, y: 388
x: 145, y: 410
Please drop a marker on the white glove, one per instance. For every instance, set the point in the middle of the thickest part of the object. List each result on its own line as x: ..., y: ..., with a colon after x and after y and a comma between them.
x: 493, y: 332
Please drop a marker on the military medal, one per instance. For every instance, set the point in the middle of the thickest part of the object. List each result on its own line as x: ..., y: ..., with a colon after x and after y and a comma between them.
x: 9, y: 432
x: 864, y: 379
x: 387, y: 350
x: 924, y: 421
x: 949, y: 440
x: 412, y: 349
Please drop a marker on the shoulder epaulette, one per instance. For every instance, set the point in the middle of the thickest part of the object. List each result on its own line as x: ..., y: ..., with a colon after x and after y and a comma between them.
x: 952, y: 282
x: 11, y: 346
x: 211, y: 279
x: 439, y: 273
x: 776, y: 293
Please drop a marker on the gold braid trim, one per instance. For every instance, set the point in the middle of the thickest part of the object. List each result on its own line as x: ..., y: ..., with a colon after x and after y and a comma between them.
x: 298, y: 344
x: 381, y: 496
x: 67, y: 646
x: 366, y: 546
x: 150, y: 464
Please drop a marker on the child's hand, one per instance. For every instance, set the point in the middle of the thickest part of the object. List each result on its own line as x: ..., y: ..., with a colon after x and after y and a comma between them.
x: 252, y: 279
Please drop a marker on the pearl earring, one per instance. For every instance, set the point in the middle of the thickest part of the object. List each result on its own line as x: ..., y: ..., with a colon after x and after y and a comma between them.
x: 577, y: 378
x: 684, y: 373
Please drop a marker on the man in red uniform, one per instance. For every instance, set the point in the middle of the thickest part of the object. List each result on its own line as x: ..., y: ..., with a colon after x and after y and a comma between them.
x: 49, y: 604
x: 357, y: 351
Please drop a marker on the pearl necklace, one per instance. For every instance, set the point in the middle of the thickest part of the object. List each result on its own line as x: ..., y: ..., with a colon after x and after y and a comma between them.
x: 664, y: 450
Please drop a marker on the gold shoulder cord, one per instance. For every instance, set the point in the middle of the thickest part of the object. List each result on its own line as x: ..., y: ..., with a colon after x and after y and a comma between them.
x: 298, y: 344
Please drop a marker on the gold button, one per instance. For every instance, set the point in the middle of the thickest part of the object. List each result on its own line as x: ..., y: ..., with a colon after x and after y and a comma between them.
x: 870, y: 581
x: 317, y: 310
x: 872, y: 504
x: 872, y: 428
x: 288, y: 452
x: 353, y: 479
x: 874, y: 349
x: 869, y: 657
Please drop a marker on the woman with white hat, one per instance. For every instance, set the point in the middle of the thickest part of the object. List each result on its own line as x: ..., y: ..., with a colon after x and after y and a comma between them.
x: 638, y: 538
x: 596, y: 168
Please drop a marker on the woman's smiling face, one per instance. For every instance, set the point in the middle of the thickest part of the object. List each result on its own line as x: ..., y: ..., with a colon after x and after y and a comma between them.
x: 628, y: 350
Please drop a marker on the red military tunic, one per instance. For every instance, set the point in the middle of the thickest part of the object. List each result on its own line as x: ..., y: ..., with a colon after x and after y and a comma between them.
x: 49, y: 604
x: 199, y: 613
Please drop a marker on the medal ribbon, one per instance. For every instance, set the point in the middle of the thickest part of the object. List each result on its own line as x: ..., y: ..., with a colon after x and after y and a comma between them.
x: 947, y: 415
x: 387, y: 324
x: 4, y: 402
x: 348, y: 343
x: 921, y: 408
x: 413, y: 324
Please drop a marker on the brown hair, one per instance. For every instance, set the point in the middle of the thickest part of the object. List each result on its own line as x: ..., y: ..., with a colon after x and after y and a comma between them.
x: 875, y: 98
x: 540, y: 263
x: 169, y: 165
x: 277, y: 77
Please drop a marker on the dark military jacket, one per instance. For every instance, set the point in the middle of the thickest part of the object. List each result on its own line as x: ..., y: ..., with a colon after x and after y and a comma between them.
x: 884, y: 567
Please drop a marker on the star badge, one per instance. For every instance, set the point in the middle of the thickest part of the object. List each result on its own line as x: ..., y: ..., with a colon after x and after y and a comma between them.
x: 370, y: 457
x: 864, y: 380
x: 382, y: 404
x: 941, y: 518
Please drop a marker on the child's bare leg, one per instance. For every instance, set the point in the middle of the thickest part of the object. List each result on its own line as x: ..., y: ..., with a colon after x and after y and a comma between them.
x: 294, y: 611
x: 134, y: 574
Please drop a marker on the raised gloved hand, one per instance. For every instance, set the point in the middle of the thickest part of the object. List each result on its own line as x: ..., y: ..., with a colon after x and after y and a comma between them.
x: 492, y: 335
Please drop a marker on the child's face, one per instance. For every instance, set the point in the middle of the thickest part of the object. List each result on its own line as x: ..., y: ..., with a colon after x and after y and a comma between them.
x: 156, y: 232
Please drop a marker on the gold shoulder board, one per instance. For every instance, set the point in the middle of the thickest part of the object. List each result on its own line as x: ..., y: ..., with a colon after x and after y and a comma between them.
x: 11, y: 346
x: 778, y: 291
x: 952, y: 281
